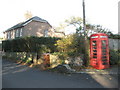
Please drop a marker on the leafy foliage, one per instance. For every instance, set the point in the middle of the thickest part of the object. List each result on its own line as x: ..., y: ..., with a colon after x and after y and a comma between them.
x: 114, y: 36
x: 30, y: 44
x: 114, y: 57
x: 71, y: 46
x: 28, y: 15
x: 76, y: 21
x: 90, y: 28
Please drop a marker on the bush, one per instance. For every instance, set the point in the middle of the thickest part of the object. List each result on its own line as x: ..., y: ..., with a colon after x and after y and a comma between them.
x: 114, y: 36
x: 114, y: 57
x: 71, y: 46
x: 30, y: 44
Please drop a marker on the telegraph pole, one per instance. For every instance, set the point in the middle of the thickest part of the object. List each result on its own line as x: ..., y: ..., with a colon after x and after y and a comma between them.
x: 84, y: 23
x: 86, y: 44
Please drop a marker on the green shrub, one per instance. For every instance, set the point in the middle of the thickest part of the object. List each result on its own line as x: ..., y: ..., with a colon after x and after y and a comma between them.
x: 61, y: 55
x: 114, y: 36
x: 114, y: 57
x: 30, y: 44
x: 71, y: 46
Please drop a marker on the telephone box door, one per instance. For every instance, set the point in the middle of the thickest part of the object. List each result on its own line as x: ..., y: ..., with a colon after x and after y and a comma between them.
x: 94, y: 52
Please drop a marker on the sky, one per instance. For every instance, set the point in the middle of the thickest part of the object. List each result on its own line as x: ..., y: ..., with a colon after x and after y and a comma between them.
x: 103, y: 12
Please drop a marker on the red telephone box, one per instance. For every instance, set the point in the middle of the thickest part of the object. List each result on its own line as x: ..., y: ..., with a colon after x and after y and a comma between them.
x: 99, y: 51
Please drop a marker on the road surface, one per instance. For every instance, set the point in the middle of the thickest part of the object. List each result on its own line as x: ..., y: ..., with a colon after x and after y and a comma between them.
x: 21, y: 76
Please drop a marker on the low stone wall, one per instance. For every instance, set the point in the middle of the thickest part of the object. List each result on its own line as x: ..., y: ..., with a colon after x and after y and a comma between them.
x: 114, y: 44
x: 20, y: 56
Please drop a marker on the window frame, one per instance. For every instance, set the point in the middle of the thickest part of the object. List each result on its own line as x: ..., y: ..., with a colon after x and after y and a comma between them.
x: 21, y: 32
x: 17, y: 32
x: 46, y: 33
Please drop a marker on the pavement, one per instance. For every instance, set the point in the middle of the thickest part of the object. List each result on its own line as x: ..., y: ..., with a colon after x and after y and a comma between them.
x: 21, y: 76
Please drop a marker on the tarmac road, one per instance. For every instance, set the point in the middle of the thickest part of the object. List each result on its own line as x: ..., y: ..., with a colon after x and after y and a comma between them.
x: 21, y: 76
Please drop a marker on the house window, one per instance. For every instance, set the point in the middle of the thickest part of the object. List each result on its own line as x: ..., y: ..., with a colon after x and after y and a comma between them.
x: 13, y: 34
x: 17, y: 32
x: 8, y: 35
x: 46, y: 33
x: 5, y: 35
x: 21, y: 32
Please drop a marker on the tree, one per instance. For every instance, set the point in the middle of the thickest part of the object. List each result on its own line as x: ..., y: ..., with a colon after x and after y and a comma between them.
x: 71, y: 46
x: 28, y: 15
x: 76, y: 22
x: 97, y: 29
x: 61, y: 27
x: 89, y: 29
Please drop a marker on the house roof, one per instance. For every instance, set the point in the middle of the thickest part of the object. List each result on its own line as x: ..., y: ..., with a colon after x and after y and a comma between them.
x: 26, y: 22
x: 60, y: 32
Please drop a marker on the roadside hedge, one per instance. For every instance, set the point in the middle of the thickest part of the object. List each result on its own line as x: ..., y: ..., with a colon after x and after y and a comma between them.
x: 114, y: 36
x: 114, y: 57
x: 30, y: 44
